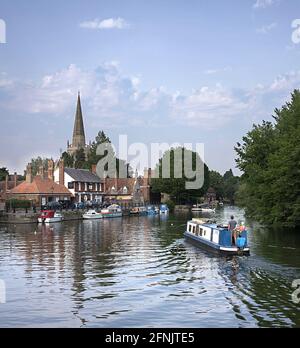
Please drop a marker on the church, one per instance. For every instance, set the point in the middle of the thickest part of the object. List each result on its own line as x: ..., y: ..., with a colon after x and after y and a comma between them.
x: 78, y: 140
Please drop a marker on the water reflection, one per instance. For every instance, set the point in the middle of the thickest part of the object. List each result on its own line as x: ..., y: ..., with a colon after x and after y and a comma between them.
x: 139, y: 271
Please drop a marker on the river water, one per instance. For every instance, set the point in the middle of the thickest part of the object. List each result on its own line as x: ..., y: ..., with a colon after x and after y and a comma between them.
x: 140, y: 272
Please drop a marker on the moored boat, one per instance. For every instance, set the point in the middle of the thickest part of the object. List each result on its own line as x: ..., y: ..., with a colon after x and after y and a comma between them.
x: 208, y: 210
x: 217, y: 238
x: 163, y: 209
x: 138, y: 211
x: 92, y: 214
x: 112, y: 211
x: 50, y: 216
x: 196, y: 208
x: 151, y: 210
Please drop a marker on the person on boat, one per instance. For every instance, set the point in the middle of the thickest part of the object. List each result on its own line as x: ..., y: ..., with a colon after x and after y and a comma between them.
x: 232, y: 224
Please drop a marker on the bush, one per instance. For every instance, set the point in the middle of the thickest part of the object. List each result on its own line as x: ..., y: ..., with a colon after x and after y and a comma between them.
x: 18, y: 203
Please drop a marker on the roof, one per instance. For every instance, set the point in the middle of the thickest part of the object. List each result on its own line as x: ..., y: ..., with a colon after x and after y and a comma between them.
x: 78, y: 124
x: 40, y: 185
x: 82, y: 175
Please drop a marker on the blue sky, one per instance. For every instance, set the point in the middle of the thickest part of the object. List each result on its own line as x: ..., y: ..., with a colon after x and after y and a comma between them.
x: 158, y: 71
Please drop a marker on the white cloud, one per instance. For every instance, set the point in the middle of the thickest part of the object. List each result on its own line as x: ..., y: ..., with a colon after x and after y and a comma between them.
x: 216, y: 71
x: 266, y: 28
x: 263, y: 3
x: 208, y: 107
x: 112, y: 99
x: 109, y: 23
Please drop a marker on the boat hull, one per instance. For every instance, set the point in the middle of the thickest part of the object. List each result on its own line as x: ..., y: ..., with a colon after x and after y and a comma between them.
x: 91, y: 217
x: 216, y: 248
x: 50, y: 220
x: 111, y: 215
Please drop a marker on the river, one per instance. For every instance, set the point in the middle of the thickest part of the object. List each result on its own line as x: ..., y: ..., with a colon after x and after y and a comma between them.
x: 140, y: 272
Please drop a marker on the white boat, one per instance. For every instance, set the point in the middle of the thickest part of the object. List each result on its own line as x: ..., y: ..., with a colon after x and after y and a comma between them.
x: 49, y: 216
x: 112, y: 211
x: 92, y: 214
x: 208, y: 210
x: 196, y: 208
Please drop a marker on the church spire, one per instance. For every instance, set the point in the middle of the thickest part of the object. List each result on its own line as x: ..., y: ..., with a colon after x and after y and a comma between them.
x: 78, y: 132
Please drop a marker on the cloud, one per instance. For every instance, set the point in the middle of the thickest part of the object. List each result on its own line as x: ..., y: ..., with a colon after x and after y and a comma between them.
x: 109, y: 23
x: 266, y: 28
x: 112, y: 99
x: 216, y: 71
x: 208, y: 107
x: 259, y: 4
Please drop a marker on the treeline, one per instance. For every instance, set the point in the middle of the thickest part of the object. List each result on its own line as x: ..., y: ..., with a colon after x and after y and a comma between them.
x: 225, y: 186
x: 269, y: 158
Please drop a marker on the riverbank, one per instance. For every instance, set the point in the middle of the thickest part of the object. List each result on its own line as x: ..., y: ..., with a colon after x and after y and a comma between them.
x: 21, y: 217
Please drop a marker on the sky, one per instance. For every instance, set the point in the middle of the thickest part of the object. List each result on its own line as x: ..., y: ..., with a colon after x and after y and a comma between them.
x: 172, y: 71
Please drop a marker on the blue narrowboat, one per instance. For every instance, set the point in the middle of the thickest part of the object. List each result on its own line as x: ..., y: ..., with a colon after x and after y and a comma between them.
x: 163, y: 209
x: 217, y: 238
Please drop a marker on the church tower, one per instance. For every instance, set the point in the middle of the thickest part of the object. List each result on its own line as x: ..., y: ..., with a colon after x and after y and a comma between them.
x: 78, y: 140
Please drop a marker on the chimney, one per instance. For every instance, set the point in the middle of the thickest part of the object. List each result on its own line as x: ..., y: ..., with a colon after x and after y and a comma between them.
x: 94, y: 167
x: 29, y: 173
x: 51, y: 169
x: 15, y: 179
x: 61, y: 172
x: 41, y: 171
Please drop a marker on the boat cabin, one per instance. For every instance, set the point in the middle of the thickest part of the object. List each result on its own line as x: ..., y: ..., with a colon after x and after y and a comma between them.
x: 213, y: 233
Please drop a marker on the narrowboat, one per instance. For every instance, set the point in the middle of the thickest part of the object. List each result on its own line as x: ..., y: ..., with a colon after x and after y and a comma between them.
x: 217, y: 238
x: 112, y: 211
x: 49, y: 216
x: 151, y: 210
x: 92, y: 214
x: 163, y: 209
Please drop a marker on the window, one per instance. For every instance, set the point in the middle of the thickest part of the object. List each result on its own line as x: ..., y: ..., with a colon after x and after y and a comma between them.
x: 201, y: 232
x: 91, y: 187
x: 194, y: 229
x: 190, y: 228
x: 70, y: 185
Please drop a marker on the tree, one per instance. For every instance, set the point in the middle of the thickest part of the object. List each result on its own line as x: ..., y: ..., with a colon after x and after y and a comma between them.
x: 174, y: 186
x: 269, y: 158
x: 93, y: 158
x: 230, y: 185
x: 37, y: 163
x: 216, y: 181
x: 68, y: 159
x: 3, y: 172
x: 80, y: 162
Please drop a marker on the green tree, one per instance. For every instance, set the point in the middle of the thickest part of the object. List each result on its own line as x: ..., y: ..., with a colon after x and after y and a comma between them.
x: 80, y: 162
x: 68, y: 159
x: 269, y: 158
x: 230, y: 185
x: 216, y: 181
x: 174, y: 186
x: 37, y: 163
x: 3, y: 172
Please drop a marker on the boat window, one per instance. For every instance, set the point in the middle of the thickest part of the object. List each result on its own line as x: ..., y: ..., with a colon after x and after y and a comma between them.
x: 204, y: 233
x: 194, y: 229
x: 190, y: 228
x: 201, y: 232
